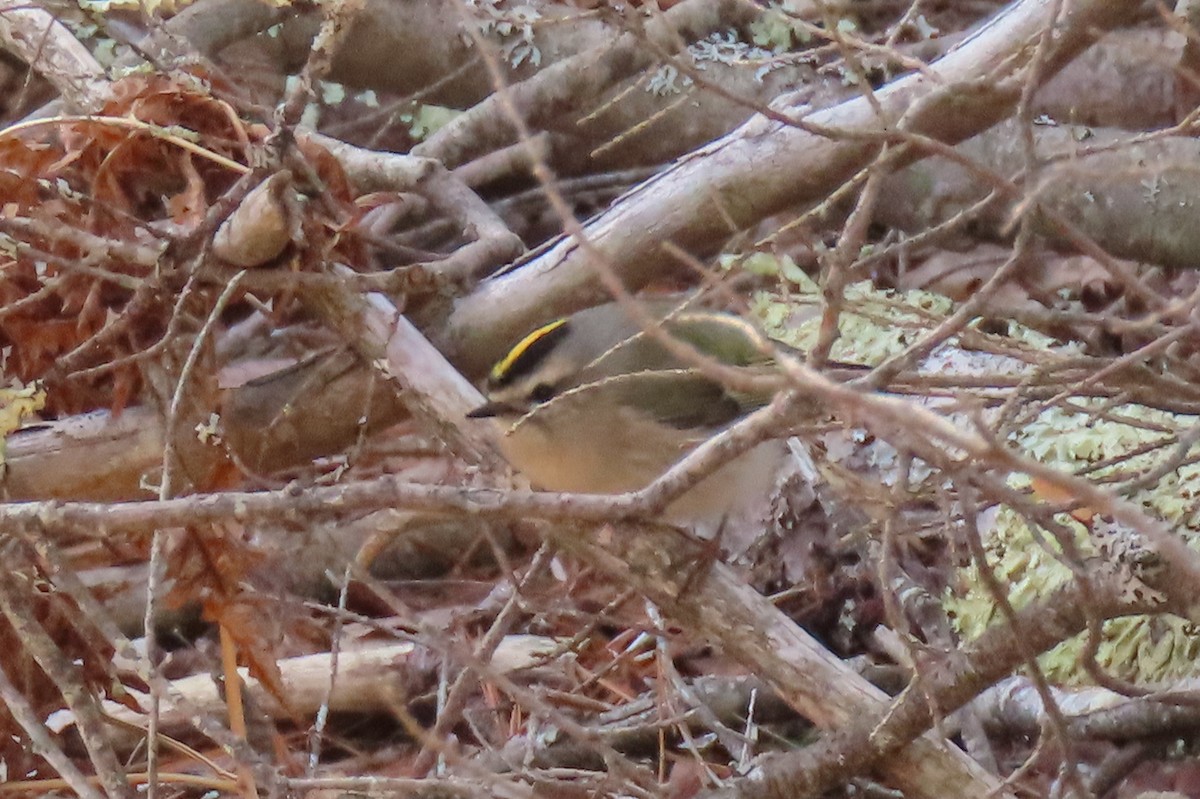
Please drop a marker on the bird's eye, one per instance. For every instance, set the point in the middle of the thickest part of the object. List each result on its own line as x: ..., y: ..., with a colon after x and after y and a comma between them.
x: 542, y: 392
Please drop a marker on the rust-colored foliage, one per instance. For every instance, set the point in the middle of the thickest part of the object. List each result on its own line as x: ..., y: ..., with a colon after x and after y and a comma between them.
x: 68, y: 189
x: 80, y: 648
x: 214, y: 566
x: 78, y: 196
x: 135, y: 176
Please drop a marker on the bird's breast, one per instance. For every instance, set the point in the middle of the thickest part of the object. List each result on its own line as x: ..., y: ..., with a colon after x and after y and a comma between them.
x: 619, y: 451
x: 606, y: 452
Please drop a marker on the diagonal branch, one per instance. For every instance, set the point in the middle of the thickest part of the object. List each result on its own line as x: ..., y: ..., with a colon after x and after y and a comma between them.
x: 805, y: 159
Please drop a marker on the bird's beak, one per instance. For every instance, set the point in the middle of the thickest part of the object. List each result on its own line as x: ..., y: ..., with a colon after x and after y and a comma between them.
x: 489, y: 409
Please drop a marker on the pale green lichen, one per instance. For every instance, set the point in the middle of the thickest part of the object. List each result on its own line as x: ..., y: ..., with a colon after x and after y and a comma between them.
x: 512, y: 25
x: 424, y: 119
x: 1142, y: 649
x: 1113, y: 445
x: 1131, y: 442
x: 872, y: 326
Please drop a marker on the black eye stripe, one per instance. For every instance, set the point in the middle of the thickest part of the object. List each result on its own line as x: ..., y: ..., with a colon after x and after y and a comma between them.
x: 542, y: 392
x: 527, y: 354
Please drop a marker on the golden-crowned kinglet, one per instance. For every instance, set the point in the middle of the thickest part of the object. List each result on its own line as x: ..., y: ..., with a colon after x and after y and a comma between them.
x: 593, y: 404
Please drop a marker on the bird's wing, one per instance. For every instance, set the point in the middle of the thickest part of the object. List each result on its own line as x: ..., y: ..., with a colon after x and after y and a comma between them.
x: 682, y: 399
x: 726, y: 338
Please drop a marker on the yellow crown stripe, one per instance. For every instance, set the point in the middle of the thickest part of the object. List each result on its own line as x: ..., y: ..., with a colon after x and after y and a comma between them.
x: 502, y: 367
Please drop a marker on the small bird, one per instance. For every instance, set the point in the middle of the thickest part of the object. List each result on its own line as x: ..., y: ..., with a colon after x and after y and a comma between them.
x: 592, y: 403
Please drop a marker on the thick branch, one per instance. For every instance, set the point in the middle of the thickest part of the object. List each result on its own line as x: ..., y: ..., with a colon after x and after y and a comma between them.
x: 765, y: 166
